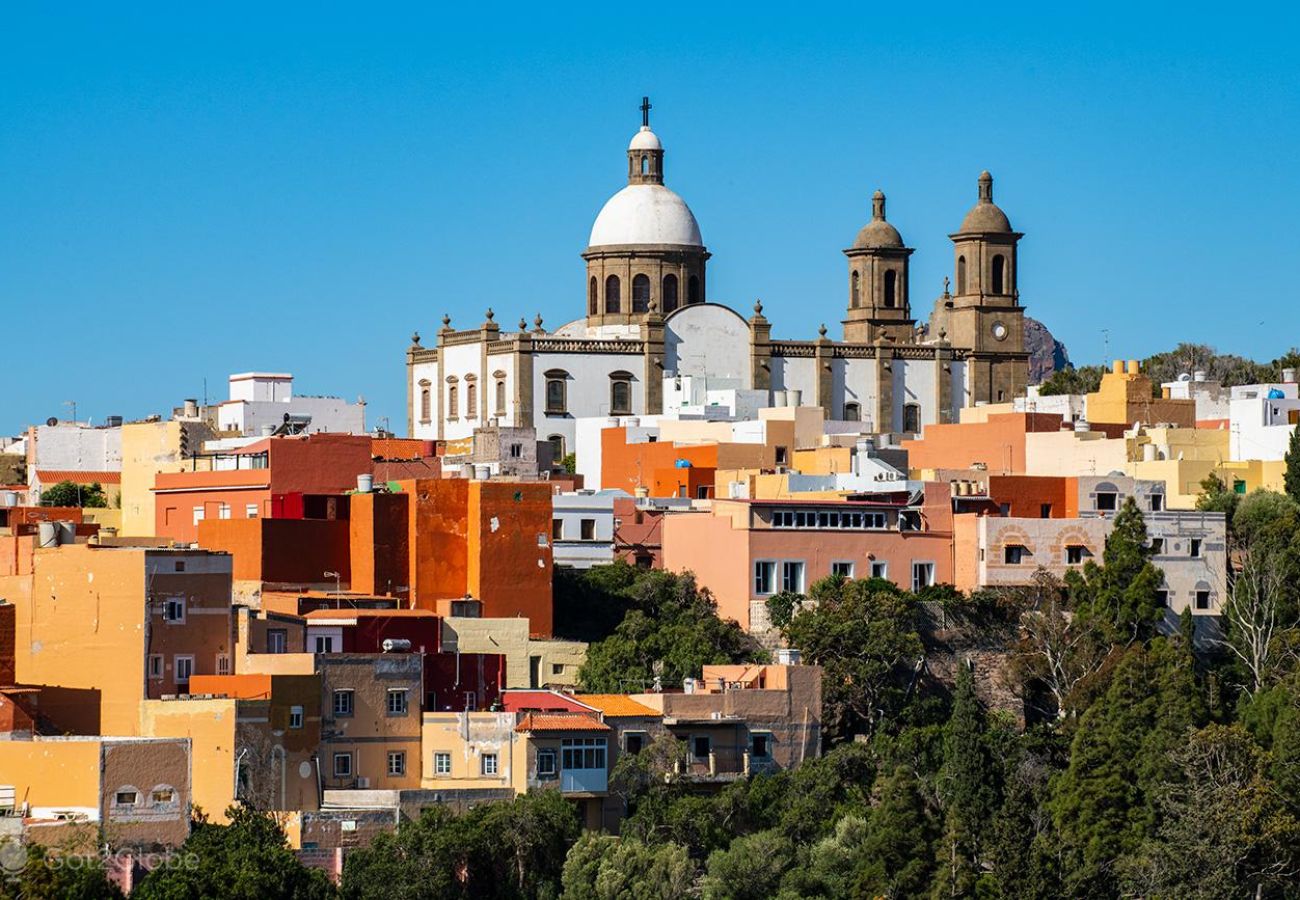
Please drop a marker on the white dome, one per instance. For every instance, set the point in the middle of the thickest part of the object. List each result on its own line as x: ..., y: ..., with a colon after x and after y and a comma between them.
x: 645, y: 214
x: 645, y: 139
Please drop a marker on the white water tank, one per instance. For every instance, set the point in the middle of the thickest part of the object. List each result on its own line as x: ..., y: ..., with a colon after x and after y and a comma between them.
x: 8, y: 498
x: 482, y: 473
x: 396, y: 645
x: 779, y: 398
x: 47, y: 534
x: 365, y: 483
x: 795, y: 397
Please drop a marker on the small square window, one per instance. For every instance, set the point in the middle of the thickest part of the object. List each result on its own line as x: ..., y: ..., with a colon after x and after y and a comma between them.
x: 342, y: 765
x: 489, y: 764
x: 588, y: 529
x: 397, y: 701
x: 1202, y: 600
x: 442, y: 764
x: 1157, y: 546
x: 126, y: 798
x: 343, y: 703
x: 760, y: 745
x: 1074, y: 554
x: 163, y: 795
x: 1196, y: 548
x: 842, y: 569
x: 295, y: 717
x: 1162, y: 599
x: 633, y: 743
x: 1107, y: 501
x: 879, y: 569
x: 545, y: 763
x: 557, y: 668
x: 700, y: 747
x: 250, y: 511
x: 397, y: 762
x: 1014, y: 554
x: 541, y: 539
x: 180, y: 565
x: 174, y: 609
x: 155, y: 665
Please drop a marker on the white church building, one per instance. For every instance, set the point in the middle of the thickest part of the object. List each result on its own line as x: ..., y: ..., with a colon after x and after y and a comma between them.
x: 649, y: 322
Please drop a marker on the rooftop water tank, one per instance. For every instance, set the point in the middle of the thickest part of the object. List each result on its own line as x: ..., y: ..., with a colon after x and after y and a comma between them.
x: 396, y: 645
x: 365, y: 483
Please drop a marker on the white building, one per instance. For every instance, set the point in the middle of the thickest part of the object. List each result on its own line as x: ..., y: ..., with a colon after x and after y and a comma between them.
x: 260, y: 402
x: 649, y: 323
x: 1212, y: 398
x: 582, y: 527
x: 1261, y: 419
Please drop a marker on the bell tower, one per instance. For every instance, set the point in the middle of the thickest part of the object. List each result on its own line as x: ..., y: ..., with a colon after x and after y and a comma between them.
x: 878, y: 275
x: 984, y: 312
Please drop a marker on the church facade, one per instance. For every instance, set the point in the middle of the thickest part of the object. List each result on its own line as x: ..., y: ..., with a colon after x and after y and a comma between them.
x: 649, y: 320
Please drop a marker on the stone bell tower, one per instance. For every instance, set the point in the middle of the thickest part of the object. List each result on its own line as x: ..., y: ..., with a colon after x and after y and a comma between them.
x: 878, y: 293
x: 984, y: 312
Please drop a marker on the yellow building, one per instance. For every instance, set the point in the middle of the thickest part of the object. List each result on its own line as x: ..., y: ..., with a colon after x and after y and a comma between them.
x: 1125, y: 396
x: 147, y: 449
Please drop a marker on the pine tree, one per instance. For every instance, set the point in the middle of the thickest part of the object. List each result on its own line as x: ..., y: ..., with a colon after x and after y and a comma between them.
x: 1292, y: 476
x: 1120, y: 595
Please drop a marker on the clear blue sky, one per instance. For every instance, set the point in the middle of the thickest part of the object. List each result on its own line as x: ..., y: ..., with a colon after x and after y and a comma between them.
x: 185, y: 194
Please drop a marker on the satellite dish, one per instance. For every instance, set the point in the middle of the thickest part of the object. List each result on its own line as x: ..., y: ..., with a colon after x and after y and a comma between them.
x: 52, y: 421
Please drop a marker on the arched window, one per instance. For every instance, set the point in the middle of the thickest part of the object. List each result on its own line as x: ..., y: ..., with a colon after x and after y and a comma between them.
x: 855, y: 297
x: 471, y: 400
x: 999, y: 265
x: 640, y: 293
x: 961, y: 275
x: 620, y: 393
x: 453, y: 401
x: 557, y: 400
x: 912, y: 418
x: 852, y: 412
x: 557, y: 447
x: 613, y: 298
x: 891, y: 288
x: 645, y: 165
x: 591, y: 297
x: 501, y: 397
x: 693, y: 289
x: 426, y: 402
x: 670, y: 293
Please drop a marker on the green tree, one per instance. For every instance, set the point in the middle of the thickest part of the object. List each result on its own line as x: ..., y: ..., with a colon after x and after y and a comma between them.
x: 1103, y: 804
x: 671, y: 632
x: 1081, y: 380
x: 967, y: 790
x: 498, y: 851
x: 899, y: 850
x: 1224, y: 831
x: 1291, y: 477
x: 864, y: 636
x: 248, y: 859
x: 65, y: 493
x: 1217, y: 496
x: 1120, y: 596
x: 47, y: 875
x: 750, y: 869
x: 1022, y: 846
x: 603, y: 867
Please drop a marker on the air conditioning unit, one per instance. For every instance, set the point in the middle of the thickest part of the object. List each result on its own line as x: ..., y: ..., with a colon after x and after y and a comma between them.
x: 363, y: 782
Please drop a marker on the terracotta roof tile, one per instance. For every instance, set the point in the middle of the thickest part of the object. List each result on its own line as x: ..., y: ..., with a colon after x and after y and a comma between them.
x: 533, y: 722
x: 54, y: 476
x: 617, y: 705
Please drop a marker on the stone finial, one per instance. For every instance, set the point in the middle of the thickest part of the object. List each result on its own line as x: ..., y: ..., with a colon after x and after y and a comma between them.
x: 945, y: 286
x: 652, y: 307
x: 537, y: 322
x: 986, y: 187
x: 523, y: 324
x: 943, y: 334
x: 822, y: 330
x: 415, y: 338
x: 490, y: 315
x: 878, y: 206
x: 446, y: 322
x: 758, y: 307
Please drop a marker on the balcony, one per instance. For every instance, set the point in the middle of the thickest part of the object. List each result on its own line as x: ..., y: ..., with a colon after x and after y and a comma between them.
x: 584, y: 781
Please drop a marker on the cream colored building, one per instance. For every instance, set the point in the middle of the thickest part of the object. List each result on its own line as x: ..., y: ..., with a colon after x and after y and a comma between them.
x: 530, y: 663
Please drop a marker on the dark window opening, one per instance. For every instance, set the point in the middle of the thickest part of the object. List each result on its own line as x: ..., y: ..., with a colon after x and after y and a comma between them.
x: 670, y: 293
x: 999, y: 265
x: 693, y: 289
x: 613, y: 297
x: 891, y: 288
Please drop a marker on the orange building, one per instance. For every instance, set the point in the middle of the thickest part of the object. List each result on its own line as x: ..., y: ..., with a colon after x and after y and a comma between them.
x: 267, y: 479
x: 487, y: 539
x: 667, y: 469
x: 282, y: 551
x: 1034, y: 496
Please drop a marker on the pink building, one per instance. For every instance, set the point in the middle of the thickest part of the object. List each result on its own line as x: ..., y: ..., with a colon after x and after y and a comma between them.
x: 744, y: 551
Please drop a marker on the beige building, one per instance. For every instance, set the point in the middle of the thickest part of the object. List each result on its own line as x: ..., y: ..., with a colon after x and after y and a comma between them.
x: 149, y: 448
x: 370, y: 720
x: 530, y: 662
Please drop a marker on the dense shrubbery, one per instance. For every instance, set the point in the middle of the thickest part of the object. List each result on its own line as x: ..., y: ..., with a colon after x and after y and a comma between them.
x: 1185, y: 358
